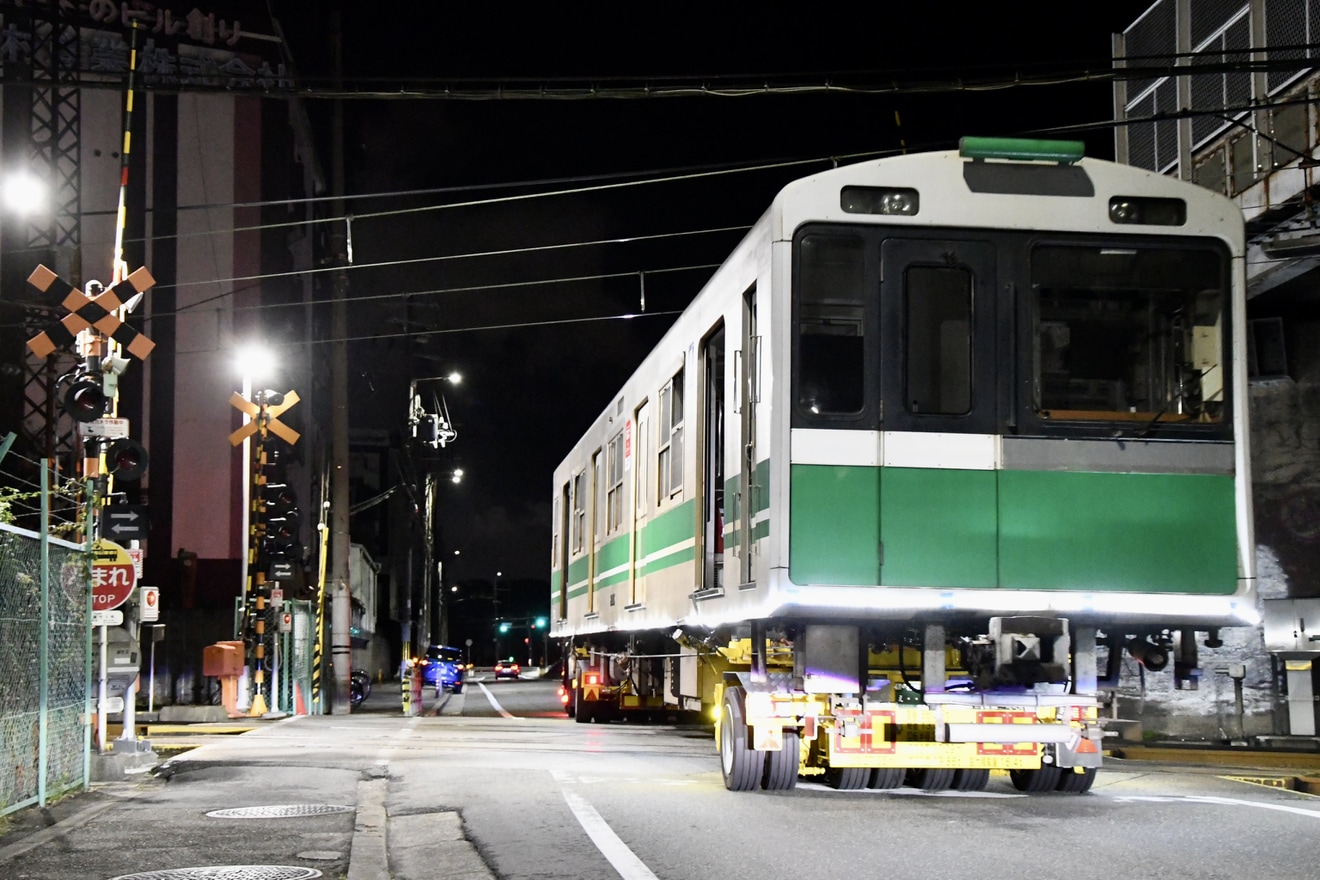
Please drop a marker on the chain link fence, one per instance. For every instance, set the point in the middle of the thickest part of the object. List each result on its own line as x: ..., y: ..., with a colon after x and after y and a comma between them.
x: 45, y: 655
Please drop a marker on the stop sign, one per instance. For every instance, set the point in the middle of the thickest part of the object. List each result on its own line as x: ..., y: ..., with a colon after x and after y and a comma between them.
x: 113, y: 576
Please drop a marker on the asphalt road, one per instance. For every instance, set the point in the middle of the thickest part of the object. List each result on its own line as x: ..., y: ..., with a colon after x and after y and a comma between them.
x: 498, y: 783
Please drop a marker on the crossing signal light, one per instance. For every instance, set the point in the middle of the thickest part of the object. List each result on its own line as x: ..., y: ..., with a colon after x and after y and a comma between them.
x: 126, y: 459
x: 282, y: 518
x: 84, y: 398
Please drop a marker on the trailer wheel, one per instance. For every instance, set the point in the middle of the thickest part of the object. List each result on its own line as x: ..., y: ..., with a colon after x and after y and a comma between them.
x: 968, y: 779
x: 781, y: 767
x: 848, y: 778
x: 1034, y: 781
x: 931, y: 778
x: 740, y: 764
x: 886, y: 777
x: 1076, y: 780
x: 584, y: 711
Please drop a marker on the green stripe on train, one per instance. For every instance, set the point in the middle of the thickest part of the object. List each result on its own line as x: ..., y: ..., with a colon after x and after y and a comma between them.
x: 1015, y: 529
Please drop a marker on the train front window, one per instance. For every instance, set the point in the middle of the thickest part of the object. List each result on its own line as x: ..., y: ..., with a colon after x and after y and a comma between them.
x: 1129, y: 334
x: 831, y: 328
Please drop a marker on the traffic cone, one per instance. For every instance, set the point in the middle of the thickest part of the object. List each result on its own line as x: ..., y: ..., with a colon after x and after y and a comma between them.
x: 299, y: 704
x: 258, y: 706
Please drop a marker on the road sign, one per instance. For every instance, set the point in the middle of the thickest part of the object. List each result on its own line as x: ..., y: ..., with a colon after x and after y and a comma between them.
x: 113, y: 577
x: 125, y: 522
x: 276, y: 597
x: 281, y: 570
x: 108, y: 428
x: 107, y: 618
x: 149, y: 609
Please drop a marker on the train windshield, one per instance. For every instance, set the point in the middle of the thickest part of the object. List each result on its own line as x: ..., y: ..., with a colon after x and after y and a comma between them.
x: 1128, y: 334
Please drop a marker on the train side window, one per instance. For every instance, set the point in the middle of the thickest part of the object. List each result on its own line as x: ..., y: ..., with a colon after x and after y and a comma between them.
x: 614, y: 484
x: 831, y: 328
x: 938, y: 306
x: 669, y: 454
x: 579, y: 521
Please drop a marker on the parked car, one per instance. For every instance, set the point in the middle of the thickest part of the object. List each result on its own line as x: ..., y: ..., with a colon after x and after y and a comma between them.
x: 507, y: 669
x: 443, y: 668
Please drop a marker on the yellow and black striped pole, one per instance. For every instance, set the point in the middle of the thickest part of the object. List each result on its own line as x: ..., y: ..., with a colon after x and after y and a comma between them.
x: 318, y: 646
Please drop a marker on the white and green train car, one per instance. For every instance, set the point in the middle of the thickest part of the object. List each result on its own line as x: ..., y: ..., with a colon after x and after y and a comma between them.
x: 944, y: 436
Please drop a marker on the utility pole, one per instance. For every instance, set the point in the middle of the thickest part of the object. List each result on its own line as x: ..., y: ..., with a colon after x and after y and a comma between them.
x: 340, y: 604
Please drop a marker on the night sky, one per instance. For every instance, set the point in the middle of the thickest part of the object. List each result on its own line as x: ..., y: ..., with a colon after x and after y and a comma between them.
x: 559, y: 351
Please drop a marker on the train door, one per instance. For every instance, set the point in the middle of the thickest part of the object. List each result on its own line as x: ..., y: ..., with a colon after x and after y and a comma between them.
x: 643, y: 486
x: 711, y: 492
x: 939, y: 495
x: 562, y: 550
x: 748, y: 395
x: 594, y: 540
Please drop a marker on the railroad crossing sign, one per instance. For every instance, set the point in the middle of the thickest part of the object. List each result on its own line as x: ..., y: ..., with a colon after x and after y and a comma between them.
x: 273, y: 424
x: 113, y: 575
x: 90, y: 313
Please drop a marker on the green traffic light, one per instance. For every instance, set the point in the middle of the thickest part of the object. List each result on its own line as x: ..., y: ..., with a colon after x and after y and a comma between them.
x: 540, y: 623
x: 504, y: 626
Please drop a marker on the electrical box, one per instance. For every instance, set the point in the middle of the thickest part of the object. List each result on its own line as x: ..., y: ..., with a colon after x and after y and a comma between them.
x: 223, y: 659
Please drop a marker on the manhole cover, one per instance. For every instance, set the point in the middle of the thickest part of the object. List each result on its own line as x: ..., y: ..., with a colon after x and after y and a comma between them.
x: 280, y: 811
x: 228, y: 872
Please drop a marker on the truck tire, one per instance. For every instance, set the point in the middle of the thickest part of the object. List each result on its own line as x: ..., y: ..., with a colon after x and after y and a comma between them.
x: 886, y: 778
x: 1076, y: 780
x: 968, y: 779
x: 1034, y: 781
x: 781, y: 767
x: 740, y: 764
x: 848, y: 778
x: 931, y: 778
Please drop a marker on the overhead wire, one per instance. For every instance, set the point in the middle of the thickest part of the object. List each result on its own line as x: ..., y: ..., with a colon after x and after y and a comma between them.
x: 1127, y: 72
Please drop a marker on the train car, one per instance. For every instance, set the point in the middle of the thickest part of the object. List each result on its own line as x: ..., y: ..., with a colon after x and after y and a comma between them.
x: 944, y: 436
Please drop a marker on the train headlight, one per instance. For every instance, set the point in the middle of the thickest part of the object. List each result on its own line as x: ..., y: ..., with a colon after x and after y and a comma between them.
x: 879, y: 200
x: 1148, y: 211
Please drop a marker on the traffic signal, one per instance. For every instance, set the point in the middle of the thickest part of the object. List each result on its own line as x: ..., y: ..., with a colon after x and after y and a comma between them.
x: 504, y: 626
x: 84, y: 397
x: 126, y: 459
x: 541, y: 622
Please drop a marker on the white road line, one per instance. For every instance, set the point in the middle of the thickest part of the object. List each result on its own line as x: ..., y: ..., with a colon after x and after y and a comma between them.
x: 611, y: 847
x: 1218, y: 801
x: 496, y: 703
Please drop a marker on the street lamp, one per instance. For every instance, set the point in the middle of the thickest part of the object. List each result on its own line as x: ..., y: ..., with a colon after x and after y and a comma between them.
x: 433, y: 429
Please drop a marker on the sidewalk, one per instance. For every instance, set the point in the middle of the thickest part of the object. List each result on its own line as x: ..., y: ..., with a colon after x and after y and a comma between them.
x: 207, y: 809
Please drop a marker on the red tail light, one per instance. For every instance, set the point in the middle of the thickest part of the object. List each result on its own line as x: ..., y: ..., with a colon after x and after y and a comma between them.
x: 592, y: 678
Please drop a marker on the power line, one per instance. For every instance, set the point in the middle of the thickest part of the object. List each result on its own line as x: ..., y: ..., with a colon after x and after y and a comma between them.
x: 516, y: 325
